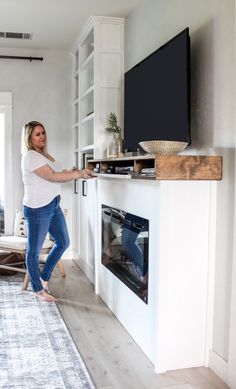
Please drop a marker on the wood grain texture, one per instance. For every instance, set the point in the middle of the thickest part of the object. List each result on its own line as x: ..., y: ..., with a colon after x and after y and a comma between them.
x: 188, y: 167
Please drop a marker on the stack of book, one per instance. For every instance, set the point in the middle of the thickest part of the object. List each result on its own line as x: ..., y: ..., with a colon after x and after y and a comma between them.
x: 150, y: 172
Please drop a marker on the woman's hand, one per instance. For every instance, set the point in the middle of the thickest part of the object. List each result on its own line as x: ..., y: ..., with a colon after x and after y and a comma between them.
x: 85, y: 173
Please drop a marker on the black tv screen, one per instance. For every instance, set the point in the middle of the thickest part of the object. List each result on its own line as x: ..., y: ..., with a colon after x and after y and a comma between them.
x: 157, y: 95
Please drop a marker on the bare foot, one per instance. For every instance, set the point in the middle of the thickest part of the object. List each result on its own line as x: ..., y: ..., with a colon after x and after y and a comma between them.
x: 44, y: 283
x: 43, y: 295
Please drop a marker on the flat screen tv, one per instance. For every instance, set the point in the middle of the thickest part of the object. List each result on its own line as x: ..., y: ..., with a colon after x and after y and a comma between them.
x: 157, y: 95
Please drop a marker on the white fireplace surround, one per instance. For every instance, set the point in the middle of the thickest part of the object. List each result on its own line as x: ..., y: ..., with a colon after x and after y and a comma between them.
x: 173, y: 329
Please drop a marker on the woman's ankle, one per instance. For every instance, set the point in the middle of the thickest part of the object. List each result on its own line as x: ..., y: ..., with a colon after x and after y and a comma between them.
x: 44, y: 283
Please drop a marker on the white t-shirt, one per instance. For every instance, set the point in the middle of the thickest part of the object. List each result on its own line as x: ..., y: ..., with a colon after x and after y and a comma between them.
x: 38, y: 192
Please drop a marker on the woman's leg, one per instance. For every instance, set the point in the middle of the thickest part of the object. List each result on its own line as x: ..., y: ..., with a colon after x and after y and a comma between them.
x: 59, y: 233
x: 38, y: 221
x: 38, y: 224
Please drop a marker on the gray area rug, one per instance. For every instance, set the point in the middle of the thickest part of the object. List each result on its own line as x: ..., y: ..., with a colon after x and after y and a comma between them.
x: 36, y: 349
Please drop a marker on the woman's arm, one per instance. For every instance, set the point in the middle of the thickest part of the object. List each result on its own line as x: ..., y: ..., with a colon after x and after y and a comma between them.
x: 49, y: 174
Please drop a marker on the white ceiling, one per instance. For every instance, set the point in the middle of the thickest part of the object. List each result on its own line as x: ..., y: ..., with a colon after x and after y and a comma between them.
x: 55, y: 24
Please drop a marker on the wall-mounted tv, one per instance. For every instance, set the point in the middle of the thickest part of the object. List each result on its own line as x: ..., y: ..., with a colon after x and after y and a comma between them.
x: 157, y: 95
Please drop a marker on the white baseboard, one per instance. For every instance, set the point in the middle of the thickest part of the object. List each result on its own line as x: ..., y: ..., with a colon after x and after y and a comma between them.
x: 218, y: 365
x: 86, y: 269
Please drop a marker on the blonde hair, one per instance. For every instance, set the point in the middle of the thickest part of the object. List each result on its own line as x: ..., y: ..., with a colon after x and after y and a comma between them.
x: 26, y: 143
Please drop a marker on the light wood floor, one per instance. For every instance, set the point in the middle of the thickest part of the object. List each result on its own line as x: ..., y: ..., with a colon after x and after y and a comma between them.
x: 112, y: 357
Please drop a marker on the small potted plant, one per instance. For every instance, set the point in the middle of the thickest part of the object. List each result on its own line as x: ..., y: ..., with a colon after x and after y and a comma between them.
x: 113, y: 126
x: 115, y: 149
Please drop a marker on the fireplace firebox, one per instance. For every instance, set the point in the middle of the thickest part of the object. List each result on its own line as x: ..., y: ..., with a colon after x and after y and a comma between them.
x: 125, y: 240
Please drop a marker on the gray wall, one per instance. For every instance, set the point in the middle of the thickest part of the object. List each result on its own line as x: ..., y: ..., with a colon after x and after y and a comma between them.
x: 41, y: 91
x: 211, y: 24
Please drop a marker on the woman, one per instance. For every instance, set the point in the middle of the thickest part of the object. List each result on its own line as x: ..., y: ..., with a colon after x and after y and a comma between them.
x: 42, y: 176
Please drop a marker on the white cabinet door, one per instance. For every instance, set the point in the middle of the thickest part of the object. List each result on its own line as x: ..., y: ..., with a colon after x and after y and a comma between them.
x: 76, y: 227
x: 86, y: 215
x: 83, y: 220
x: 91, y: 223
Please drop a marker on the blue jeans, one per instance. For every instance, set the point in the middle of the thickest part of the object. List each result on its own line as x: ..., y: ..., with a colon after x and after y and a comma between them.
x: 40, y: 221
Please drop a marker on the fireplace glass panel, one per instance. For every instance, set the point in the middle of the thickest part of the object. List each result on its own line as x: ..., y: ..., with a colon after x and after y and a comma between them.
x: 125, y: 240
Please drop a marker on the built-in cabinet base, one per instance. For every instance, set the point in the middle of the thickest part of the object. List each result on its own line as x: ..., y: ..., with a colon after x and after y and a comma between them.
x: 173, y: 329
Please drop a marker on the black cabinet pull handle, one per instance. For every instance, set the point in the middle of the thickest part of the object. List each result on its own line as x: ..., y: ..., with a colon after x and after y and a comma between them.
x: 76, y: 187
x: 84, y: 188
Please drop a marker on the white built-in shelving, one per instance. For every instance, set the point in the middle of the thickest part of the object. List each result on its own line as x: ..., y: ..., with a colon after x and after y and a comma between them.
x: 98, y: 84
x: 98, y: 74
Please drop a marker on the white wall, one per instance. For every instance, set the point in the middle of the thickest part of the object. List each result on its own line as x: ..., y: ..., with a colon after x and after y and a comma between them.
x: 211, y: 24
x: 41, y: 91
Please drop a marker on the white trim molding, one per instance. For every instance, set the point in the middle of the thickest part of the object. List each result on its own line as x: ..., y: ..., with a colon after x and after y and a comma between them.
x: 232, y: 332
x: 218, y: 365
x: 211, y: 270
x: 6, y: 109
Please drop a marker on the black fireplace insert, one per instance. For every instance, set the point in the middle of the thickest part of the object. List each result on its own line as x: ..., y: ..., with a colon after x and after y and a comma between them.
x: 125, y: 239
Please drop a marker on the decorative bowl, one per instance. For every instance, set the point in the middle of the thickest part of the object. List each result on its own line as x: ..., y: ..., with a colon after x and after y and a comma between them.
x: 163, y: 147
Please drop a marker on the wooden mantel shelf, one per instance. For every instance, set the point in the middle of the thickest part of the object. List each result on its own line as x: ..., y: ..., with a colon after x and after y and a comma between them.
x: 188, y: 167
x: 166, y: 167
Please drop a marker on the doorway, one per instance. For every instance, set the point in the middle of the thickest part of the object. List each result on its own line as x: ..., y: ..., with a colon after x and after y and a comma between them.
x: 6, y: 208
